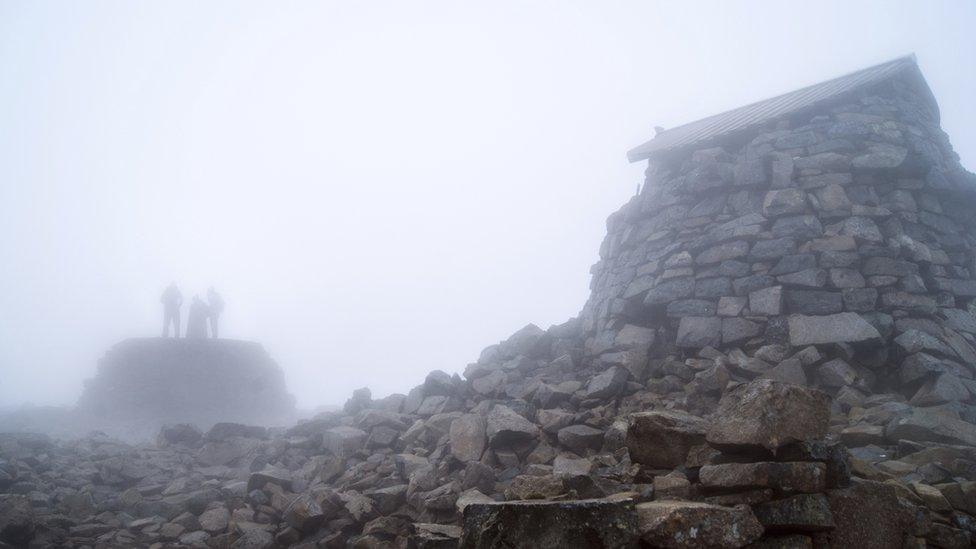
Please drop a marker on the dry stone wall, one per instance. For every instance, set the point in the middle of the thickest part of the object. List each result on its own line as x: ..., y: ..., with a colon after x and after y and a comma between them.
x: 850, y: 228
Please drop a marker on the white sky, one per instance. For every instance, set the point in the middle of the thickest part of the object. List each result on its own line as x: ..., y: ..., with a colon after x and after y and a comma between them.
x: 378, y: 189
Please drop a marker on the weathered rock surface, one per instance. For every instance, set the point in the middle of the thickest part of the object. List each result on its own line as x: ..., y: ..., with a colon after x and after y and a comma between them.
x: 663, y: 439
x: 594, y: 523
x: 769, y: 414
x: 685, y: 524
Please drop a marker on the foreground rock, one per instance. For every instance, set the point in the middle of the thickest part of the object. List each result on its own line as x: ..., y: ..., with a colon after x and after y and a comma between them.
x: 769, y: 414
x: 550, y: 525
x: 680, y: 525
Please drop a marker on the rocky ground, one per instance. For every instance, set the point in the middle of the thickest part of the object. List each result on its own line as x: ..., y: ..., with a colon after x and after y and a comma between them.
x: 533, y: 447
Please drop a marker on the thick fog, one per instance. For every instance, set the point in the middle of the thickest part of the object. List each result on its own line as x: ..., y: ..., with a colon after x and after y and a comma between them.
x: 378, y: 189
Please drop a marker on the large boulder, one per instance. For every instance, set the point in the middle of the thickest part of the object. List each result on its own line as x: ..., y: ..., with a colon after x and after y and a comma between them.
x: 506, y: 428
x: 593, y: 523
x: 468, y: 438
x: 579, y: 438
x: 662, y: 439
x: 768, y: 414
x: 686, y: 525
x: 16, y: 520
x: 871, y: 514
x: 607, y: 384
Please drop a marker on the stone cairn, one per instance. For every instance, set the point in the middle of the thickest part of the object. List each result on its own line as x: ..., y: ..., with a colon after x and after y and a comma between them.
x: 777, y: 352
x: 200, y: 381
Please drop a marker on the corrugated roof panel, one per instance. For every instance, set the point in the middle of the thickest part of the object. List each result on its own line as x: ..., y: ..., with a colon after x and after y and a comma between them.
x: 764, y: 111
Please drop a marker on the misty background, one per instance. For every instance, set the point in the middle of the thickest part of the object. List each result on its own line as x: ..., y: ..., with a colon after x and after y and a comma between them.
x: 378, y: 189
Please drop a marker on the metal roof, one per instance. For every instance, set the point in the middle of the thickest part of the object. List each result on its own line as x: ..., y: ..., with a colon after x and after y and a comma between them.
x: 762, y: 112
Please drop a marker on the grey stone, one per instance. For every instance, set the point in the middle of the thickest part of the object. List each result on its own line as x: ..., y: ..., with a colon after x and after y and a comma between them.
x: 723, y: 252
x: 814, y: 302
x: 796, y: 140
x: 836, y: 328
x: 940, y: 390
x: 838, y: 259
x: 738, y: 329
x: 733, y: 268
x: 833, y: 198
x: 860, y: 299
x: 793, y: 263
x: 805, y: 477
x: 580, y: 438
x: 956, y: 287
x: 920, y: 365
x: 871, y: 514
x: 817, y: 181
x: 768, y: 301
x: 731, y: 306
x: 663, y: 439
x: 824, y: 162
x: 846, y: 278
x: 880, y: 156
x: 768, y: 414
x: 607, y: 384
x: 803, y: 227
x: 699, y: 331
x: 713, y: 287
x: 836, y: 373
x: 931, y: 425
x: 634, y: 337
x: 787, y: 371
x: 913, y: 341
x: 862, y: 229
x: 506, y: 428
x: 748, y: 284
x: 16, y: 520
x: 784, y: 202
x: 468, y: 437
x: 809, y: 278
x: 888, y: 266
x: 749, y: 173
x: 765, y: 250
x: 911, y: 302
x: 549, y: 524
x: 800, y: 513
x: 343, y: 441
x: 687, y: 525
x: 959, y: 320
x: 666, y: 292
x: 691, y: 307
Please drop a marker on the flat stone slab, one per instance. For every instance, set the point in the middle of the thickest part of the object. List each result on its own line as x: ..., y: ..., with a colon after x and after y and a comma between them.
x: 835, y: 328
x: 801, y: 476
x: 588, y: 523
x: 688, y: 524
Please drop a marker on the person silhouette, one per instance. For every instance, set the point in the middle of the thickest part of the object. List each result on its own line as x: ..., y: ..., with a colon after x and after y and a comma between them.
x: 196, y: 320
x: 216, y: 304
x: 171, y: 299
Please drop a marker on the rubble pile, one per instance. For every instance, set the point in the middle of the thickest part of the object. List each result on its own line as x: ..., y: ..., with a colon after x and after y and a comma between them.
x: 779, y: 351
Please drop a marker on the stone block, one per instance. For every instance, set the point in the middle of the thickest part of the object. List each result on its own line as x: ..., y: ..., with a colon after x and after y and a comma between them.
x: 834, y: 328
x: 699, y: 331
